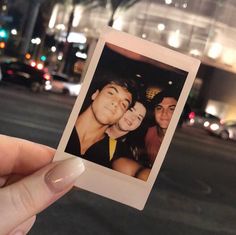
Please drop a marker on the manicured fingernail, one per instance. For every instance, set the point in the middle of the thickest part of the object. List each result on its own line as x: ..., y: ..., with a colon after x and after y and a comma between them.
x: 64, y: 174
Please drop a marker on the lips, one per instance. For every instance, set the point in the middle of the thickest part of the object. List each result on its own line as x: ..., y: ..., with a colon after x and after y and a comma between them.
x: 110, y: 110
x: 165, y: 120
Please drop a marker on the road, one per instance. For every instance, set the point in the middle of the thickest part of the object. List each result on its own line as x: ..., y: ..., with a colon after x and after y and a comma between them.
x: 194, y: 192
x: 39, y: 117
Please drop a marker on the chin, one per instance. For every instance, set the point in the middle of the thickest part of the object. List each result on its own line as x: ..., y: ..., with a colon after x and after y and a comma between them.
x: 164, y: 126
x: 105, y: 122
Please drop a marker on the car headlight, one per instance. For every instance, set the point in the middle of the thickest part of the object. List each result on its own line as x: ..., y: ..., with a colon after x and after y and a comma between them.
x: 206, y: 124
x: 191, y: 121
x: 214, y: 127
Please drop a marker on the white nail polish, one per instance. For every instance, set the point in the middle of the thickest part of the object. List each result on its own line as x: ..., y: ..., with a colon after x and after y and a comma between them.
x: 64, y: 174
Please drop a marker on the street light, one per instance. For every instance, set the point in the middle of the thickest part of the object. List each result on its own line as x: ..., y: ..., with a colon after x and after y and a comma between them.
x: 36, y: 41
x: 53, y: 49
x: 30, y: 23
x: 14, y: 32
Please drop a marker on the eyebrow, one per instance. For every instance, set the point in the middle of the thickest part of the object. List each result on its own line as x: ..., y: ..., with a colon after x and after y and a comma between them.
x: 173, y: 105
x: 114, y: 88
x: 140, y: 115
x: 117, y: 91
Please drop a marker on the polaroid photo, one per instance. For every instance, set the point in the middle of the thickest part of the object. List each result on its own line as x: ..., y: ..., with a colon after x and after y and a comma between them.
x: 124, y: 118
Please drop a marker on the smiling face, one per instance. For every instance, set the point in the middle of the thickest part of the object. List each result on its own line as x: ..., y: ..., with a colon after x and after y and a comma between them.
x: 110, y: 103
x: 133, y: 118
x: 163, y: 112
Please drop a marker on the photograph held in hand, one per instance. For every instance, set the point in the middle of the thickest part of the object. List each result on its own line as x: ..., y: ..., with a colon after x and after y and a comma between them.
x: 125, y: 115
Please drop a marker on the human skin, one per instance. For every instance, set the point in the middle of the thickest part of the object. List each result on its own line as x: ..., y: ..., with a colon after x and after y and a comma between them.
x: 126, y: 166
x: 30, y: 182
x: 132, y: 118
x: 130, y: 121
x: 108, y: 106
x: 110, y: 103
x: 143, y: 174
x: 163, y: 112
x: 131, y: 168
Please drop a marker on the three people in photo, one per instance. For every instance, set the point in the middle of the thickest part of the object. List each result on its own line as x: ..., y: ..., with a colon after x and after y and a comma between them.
x: 102, y: 132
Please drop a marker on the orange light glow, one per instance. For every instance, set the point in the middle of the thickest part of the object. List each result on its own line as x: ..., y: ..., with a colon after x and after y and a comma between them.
x: 27, y: 56
x: 2, y: 45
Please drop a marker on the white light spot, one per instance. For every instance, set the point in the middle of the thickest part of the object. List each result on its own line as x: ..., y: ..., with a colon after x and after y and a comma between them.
x: 168, y: 2
x: 81, y: 55
x: 144, y: 35
x: 174, y: 39
x: 14, y: 32
x: 195, y: 52
x: 118, y: 23
x: 161, y: 27
x: 53, y: 49
x: 215, y: 50
x: 76, y: 37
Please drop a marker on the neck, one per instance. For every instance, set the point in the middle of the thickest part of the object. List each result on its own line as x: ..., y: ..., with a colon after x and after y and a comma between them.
x: 161, y: 131
x: 89, y: 129
x: 115, y: 132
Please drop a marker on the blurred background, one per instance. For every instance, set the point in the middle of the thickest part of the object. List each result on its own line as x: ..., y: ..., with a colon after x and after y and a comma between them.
x: 45, y: 47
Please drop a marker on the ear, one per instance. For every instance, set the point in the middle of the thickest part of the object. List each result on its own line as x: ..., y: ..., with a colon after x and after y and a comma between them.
x: 95, y: 94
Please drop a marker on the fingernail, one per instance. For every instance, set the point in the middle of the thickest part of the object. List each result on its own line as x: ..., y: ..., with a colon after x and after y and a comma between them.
x: 64, y: 174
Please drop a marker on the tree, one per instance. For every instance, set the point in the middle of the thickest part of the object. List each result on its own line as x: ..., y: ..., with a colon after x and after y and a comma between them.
x: 120, y: 5
x: 116, y: 6
x: 33, y: 10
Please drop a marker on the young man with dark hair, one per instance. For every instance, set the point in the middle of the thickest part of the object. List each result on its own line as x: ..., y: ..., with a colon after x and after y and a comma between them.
x: 88, y: 139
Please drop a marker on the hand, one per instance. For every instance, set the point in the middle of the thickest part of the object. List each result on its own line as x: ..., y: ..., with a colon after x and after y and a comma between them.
x: 29, y: 182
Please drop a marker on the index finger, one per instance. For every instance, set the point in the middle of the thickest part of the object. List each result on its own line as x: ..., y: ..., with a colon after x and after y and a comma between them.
x: 20, y: 156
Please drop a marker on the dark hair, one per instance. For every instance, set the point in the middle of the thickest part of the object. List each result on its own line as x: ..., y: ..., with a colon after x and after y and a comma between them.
x: 129, y: 84
x: 157, y: 99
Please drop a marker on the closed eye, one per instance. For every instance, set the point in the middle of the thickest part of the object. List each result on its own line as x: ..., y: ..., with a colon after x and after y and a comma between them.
x: 125, y: 105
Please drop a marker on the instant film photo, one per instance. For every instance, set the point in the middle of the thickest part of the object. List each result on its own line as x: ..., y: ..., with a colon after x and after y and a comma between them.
x: 123, y: 120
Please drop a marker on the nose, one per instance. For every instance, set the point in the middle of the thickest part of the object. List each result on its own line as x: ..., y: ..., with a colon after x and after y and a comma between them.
x: 164, y: 112
x: 133, y: 117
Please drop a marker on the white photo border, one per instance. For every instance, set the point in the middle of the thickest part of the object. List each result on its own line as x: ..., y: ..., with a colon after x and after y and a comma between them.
x: 101, y: 180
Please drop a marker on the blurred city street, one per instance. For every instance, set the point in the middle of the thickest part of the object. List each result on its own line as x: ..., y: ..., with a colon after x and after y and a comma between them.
x: 193, y: 194
x: 46, y: 47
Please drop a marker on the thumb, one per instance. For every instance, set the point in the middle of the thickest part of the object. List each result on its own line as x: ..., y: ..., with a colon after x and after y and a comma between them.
x: 29, y: 196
